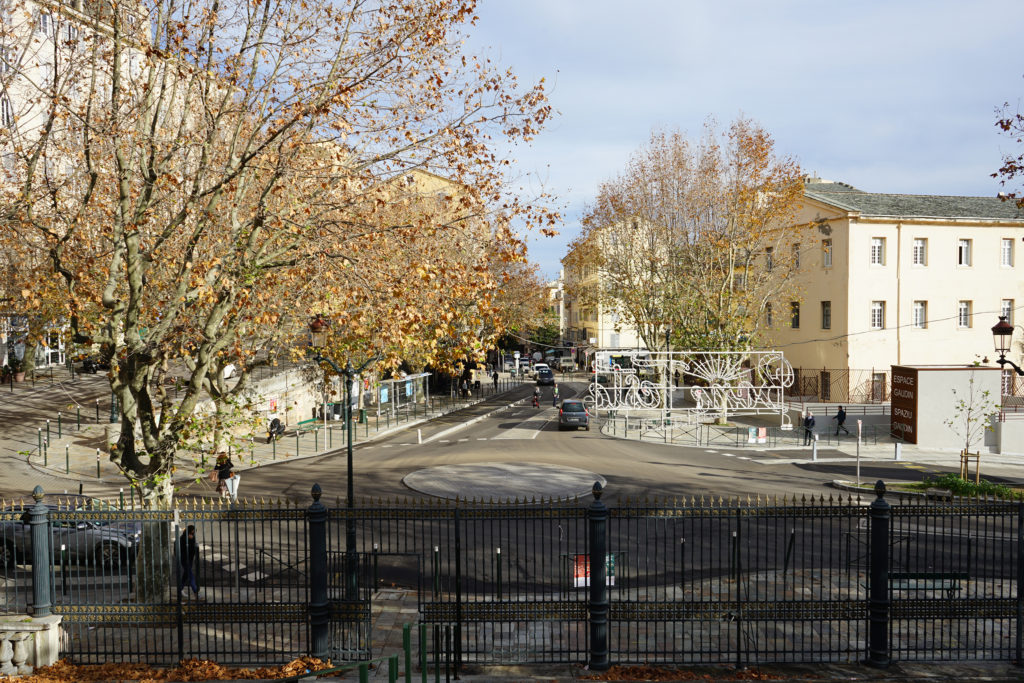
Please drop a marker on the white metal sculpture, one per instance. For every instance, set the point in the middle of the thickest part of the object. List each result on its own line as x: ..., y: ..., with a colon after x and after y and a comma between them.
x: 719, y: 383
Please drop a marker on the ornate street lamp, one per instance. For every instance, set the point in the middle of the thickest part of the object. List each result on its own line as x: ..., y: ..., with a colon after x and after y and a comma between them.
x: 1002, y: 335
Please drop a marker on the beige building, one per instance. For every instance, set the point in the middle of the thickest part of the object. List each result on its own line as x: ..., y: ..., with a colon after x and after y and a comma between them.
x: 586, y: 323
x: 893, y: 279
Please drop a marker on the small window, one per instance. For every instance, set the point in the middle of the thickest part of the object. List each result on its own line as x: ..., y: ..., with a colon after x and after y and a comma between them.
x: 1006, y: 253
x: 826, y: 253
x: 46, y: 24
x: 794, y: 315
x: 769, y: 319
x: 920, y: 252
x: 1006, y: 310
x: 963, y: 314
x: 878, y: 315
x: 796, y: 255
x: 769, y: 257
x: 826, y: 315
x: 878, y: 251
x: 6, y: 113
x: 963, y: 253
x: 920, y: 314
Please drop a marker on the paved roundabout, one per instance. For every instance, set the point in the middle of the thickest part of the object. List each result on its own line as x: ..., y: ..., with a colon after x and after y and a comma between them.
x: 503, y: 482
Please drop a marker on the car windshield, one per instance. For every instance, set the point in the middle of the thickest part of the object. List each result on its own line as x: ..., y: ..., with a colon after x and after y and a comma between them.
x: 574, y: 407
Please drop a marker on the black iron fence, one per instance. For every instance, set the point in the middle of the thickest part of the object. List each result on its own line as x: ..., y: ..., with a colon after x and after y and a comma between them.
x: 692, y: 581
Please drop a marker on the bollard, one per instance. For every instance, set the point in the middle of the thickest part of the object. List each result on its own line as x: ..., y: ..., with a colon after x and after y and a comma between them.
x: 39, y: 439
x: 419, y: 436
x: 97, y: 411
x: 67, y: 460
x: 48, y: 430
x: 899, y: 451
x: 122, y: 498
x: 273, y: 440
x: 407, y: 651
x: 97, y: 463
x: 316, y: 439
x: 498, y: 563
x: 78, y: 417
x: 46, y: 453
x: 60, y: 427
x: 814, y: 448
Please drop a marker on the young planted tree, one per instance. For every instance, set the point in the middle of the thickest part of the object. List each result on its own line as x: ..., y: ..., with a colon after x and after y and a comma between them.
x: 973, y: 409
x: 199, y: 176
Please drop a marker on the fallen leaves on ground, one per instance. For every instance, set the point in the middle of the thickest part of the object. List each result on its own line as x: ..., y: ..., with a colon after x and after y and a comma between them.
x: 187, y: 671
x: 654, y: 673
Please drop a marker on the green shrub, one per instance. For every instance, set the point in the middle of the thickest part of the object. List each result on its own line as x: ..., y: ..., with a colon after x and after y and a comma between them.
x: 962, y: 487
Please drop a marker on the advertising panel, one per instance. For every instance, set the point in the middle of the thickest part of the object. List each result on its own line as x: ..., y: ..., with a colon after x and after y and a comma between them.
x: 903, y: 417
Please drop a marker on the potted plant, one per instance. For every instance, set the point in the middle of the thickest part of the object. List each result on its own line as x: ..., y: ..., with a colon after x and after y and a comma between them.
x: 17, y: 366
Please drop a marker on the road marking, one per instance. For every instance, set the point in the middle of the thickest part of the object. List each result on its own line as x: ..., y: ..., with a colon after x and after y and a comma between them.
x: 254, y: 576
x: 729, y: 455
x: 461, y: 440
x: 742, y: 457
x: 481, y: 438
x: 444, y: 440
x: 710, y: 451
x: 386, y: 445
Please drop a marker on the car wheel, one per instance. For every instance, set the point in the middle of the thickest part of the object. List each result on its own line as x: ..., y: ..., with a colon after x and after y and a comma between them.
x: 110, y: 556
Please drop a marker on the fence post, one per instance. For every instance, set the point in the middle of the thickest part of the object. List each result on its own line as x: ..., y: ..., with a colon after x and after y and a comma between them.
x: 878, y: 598
x: 318, y: 623
x: 39, y: 520
x: 1020, y: 582
x: 597, y: 527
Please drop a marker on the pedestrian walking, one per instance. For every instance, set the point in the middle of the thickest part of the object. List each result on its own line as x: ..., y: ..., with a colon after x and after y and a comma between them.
x: 554, y: 395
x: 188, y: 554
x: 227, y: 480
x: 840, y: 418
x: 464, y: 387
x: 808, y: 428
x: 494, y: 378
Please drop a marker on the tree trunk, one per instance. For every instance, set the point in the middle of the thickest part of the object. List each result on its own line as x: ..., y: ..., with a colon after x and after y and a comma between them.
x: 155, y: 554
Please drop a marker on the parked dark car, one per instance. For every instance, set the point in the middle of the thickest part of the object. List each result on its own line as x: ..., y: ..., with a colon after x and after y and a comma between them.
x: 93, y: 541
x: 545, y: 376
x: 93, y: 364
x: 573, y: 413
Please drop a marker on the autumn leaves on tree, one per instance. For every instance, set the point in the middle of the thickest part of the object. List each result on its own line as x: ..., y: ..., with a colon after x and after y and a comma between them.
x: 186, y: 184
x: 693, y: 240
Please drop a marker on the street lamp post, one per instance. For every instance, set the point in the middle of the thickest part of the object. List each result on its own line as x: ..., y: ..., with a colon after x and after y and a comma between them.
x: 1002, y: 334
x: 318, y: 332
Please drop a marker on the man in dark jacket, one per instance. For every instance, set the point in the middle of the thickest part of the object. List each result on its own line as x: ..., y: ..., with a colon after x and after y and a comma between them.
x: 188, y: 554
x: 808, y: 428
x: 840, y: 418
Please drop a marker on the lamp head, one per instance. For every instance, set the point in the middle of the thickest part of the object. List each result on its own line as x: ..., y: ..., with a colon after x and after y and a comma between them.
x: 1002, y: 332
x: 318, y: 327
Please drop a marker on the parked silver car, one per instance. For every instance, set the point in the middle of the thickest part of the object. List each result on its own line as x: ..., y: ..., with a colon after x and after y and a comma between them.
x: 81, y: 533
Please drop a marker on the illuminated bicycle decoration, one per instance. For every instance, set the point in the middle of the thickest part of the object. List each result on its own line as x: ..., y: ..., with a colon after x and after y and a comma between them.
x: 719, y: 383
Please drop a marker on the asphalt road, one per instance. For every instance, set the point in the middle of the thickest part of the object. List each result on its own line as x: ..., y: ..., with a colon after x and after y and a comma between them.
x: 522, y: 434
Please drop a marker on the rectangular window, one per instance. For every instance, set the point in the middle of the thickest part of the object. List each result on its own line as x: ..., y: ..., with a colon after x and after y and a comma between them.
x: 963, y: 314
x: 826, y: 315
x: 963, y: 252
x: 921, y: 314
x: 1006, y: 253
x: 794, y: 315
x: 768, y: 318
x: 878, y: 315
x: 878, y: 251
x: 769, y: 260
x: 826, y: 253
x: 6, y: 113
x: 796, y: 255
x: 46, y: 24
x: 1006, y: 310
x: 920, y: 251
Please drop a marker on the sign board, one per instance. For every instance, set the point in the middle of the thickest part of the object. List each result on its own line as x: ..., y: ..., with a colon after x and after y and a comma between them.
x: 757, y: 435
x: 273, y: 405
x: 581, y: 570
x: 903, y: 416
x: 383, y: 394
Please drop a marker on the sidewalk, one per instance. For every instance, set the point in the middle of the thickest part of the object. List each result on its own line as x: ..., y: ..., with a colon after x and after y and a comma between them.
x: 57, y: 433
x: 831, y: 449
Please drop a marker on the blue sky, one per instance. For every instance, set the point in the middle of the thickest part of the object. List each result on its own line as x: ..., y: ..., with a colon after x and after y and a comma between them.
x: 894, y: 97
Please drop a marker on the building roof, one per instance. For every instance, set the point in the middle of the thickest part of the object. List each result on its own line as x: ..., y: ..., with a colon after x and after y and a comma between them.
x: 849, y: 198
